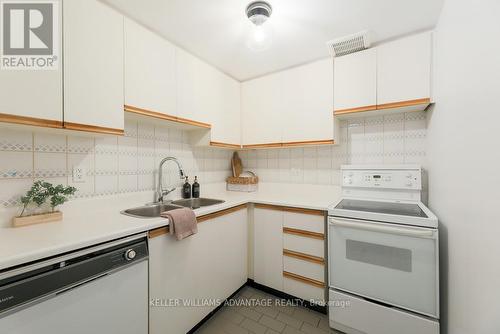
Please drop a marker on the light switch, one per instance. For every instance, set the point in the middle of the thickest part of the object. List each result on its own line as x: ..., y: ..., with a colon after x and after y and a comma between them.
x: 79, y: 174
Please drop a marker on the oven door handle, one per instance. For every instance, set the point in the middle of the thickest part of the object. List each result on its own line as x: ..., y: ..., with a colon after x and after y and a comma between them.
x: 420, y: 233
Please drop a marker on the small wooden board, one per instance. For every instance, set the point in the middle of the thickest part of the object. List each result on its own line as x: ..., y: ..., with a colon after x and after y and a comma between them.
x: 236, y: 164
x: 37, y: 219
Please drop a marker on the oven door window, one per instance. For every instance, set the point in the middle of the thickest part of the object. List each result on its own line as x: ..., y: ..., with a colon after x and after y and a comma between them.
x: 379, y: 255
x: 394, y: 265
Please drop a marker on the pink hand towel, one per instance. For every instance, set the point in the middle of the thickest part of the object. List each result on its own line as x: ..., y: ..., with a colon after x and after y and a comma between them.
x: 182, y: 222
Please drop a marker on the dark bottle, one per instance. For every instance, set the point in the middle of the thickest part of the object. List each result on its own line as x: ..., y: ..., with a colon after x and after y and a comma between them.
x: 196, y: 188
x: 186, y: 189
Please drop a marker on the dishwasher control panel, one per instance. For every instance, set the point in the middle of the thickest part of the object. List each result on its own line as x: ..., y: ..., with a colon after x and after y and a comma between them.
x: 25, y: 285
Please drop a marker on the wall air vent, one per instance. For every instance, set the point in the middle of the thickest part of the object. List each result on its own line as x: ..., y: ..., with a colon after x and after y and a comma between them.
x: 348, y: 44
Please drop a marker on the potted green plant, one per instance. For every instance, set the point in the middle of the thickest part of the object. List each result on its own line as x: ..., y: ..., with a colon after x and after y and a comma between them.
x: 38, y: 195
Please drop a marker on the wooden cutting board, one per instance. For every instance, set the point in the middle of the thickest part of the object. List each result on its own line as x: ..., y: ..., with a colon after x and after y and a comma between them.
x: 236, y: 165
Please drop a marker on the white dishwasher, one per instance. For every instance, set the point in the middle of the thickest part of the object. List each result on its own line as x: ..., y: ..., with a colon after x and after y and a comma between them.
x: 102, y: 289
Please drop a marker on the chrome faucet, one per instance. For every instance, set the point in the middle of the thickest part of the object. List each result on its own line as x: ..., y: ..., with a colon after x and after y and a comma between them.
x: 160, y: 193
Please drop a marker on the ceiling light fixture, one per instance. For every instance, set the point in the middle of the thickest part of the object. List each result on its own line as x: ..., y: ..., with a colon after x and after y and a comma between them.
x: 258, y: 12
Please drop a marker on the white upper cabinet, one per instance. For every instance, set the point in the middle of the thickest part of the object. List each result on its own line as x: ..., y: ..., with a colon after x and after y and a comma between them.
x: 33, y: 93
x: 355, y: 81
x: 225, y: 116
x: 308, y: 102
x: 404, y: 69
x: 394, y: 75
x: 262, y: 110
x: 194, y: 87
x: 149, y: 70
x: 93, y: 66
x: 289, y: 107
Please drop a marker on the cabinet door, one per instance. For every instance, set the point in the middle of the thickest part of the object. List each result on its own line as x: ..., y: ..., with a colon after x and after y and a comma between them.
x: 194, y: 87
x: 262, y: 110
x: 34, y: 93
x: 404, y: 69
x: 93, y: 66
x: 355, y: 80
x: 211, y: 264
x: 268, y: 248
x: 149, y: 70
x: 225, y: 120
x: 308, y: 106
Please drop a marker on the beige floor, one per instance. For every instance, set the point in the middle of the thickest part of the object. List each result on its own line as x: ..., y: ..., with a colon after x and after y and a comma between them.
x: 258, y: 319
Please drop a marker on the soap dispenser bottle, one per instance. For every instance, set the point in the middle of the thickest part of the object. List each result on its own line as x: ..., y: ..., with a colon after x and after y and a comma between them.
x: 196, y: 188
x: 186, y: 189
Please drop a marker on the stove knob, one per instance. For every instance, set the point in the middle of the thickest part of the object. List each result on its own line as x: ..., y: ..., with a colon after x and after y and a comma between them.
x: 130, y: 254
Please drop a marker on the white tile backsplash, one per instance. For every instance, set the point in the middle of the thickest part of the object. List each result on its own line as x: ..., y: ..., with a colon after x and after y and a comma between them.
x: 113, y: 164
x: 390, y: 139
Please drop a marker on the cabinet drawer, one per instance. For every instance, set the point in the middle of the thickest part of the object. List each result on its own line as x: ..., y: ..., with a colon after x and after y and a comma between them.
x: 366, y: 317
x: 303, y: 290
x: 304, y: 268
x: 307, y: 222
x: 305, y: 245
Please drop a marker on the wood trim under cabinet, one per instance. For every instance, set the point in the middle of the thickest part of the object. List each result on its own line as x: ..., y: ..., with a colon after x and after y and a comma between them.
x: 291, y: 144
x: 224, y: 145
x: 290, y: 209
x: 310, y: 142
x: 93, y: 128
x: 166, y: 117
x: 220, y: 213
x: 33, y: 121
x: 267, y: 145
x: 165, y: 230
x: 158, y: 231
x: 353, y: 110
x: 303, y: 279
x: 401, y: 104
x: 303, y: 256
x: 304, y: 233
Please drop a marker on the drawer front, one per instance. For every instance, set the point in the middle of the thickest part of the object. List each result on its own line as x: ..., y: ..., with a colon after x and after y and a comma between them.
x: 303, y: 290
x: 352, y: 314
x: 305, y: 245
x: 306, y: 222
x: 304, y: 268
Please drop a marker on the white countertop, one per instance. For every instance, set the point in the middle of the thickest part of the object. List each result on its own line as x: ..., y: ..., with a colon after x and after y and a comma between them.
x: 88, y: 222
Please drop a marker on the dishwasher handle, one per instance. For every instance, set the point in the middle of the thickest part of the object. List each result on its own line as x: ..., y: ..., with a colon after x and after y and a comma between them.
x: 375, y: 227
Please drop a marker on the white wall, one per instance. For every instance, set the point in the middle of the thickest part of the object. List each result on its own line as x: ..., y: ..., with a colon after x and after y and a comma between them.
x: 464, y: 164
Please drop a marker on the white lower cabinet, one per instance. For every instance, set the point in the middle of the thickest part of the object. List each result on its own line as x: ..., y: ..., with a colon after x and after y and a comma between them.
x: 268, y: 247
x: 289, y: 251
x: 209, y: 264
x: 304, y: 268
x: 302, y: 244
x: 308, y: 292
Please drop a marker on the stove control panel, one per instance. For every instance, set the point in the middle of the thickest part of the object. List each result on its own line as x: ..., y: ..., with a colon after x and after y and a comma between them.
x: 409, y: 179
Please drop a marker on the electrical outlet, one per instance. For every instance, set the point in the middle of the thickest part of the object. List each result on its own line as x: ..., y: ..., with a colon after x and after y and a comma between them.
x: 79, y: 174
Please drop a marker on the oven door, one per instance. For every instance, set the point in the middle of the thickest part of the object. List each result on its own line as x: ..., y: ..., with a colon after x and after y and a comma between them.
x: 390, y: 263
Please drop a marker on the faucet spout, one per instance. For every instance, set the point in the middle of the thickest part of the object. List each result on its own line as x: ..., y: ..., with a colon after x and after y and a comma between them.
x: 160, y: 193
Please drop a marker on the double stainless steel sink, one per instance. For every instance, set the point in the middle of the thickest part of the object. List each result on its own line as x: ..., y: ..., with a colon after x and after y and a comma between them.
x: 154, y: 210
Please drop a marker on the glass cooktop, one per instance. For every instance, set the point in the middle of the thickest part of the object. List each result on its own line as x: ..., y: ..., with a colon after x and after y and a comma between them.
x: 391, y: 208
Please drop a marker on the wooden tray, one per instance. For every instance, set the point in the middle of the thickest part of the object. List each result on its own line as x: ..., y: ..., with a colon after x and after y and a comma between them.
x: 37, y: 219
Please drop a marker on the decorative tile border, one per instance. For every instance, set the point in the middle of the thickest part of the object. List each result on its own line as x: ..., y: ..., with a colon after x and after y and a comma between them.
x: 16, y: 174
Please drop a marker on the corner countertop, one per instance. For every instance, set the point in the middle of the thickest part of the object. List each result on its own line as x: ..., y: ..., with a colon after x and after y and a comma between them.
x: 92, y: 221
